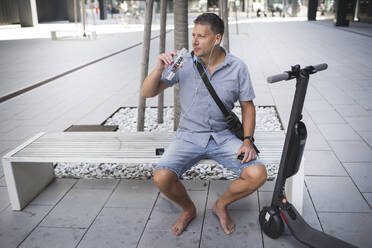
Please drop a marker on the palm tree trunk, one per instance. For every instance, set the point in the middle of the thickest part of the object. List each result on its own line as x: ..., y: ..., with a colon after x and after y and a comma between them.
x: 163, y: 22
x: 181, y: 39
x: 236, y: 18
x: 224, y: 17
x: 145, y: 63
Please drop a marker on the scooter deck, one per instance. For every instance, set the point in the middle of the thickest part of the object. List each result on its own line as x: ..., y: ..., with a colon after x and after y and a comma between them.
x: 307, y: 235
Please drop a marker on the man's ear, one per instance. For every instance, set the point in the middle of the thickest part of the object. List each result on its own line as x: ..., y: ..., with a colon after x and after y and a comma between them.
x: 218, y: 39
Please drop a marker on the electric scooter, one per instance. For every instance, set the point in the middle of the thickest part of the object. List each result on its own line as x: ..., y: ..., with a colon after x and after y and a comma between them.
x: 271, y: 218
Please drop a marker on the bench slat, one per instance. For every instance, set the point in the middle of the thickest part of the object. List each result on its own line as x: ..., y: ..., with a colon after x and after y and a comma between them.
x: 120, y: 147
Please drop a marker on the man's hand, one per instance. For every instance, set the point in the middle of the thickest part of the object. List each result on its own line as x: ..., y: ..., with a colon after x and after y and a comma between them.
x: 164, y: 60
x: 248, y: 150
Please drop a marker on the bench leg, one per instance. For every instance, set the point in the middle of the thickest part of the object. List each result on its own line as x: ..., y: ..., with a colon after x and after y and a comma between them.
x: 26, y: 180
x: 294, y: 188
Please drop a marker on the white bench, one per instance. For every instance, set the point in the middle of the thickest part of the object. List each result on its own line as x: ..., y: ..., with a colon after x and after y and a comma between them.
x: 72, y: 33
x: 29, y: 168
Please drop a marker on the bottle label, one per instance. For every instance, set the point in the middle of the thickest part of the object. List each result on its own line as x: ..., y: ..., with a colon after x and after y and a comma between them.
x: 171, y: 69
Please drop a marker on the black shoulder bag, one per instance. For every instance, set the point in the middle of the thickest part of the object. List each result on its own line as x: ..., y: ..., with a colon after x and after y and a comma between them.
x: 231, y: 118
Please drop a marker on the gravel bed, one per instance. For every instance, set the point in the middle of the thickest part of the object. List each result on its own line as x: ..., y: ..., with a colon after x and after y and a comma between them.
x: 126, y: 118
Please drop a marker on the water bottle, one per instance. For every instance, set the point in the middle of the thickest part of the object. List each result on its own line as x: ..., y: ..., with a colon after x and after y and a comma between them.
x: 170, y: 71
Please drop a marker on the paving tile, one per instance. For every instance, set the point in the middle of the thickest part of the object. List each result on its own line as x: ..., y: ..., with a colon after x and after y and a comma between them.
x: 102, y: 183
x: 155, y: 238
x: 360, y: 123
x: 134, y: 194
x: 4, y: 198
x: 217, y: 188
x: 22, y: 133
x: 313, y: 94
x: 368, y: 197
x: 54, y: 192
x: 321, y: 117
x: 350, y: 227
x: 352, y: 151
x: 16, y: 225
x: 1, y: 169
x: 7, y: 145
x: 336, y: 96
x: 309, y: 213
x: 77, y: 209
x: 351, y: 110
x: 268, y: 186
x: 317, y: 105
x: 195, y: 184
x: 116, y: 227
x: 53, y: 237
x: 247, y: 231
x: 335, y: 194
x: 359, y: 93
x: 6, y: 125
x: 322, y: 163
x: 316, y: 141
x: 367, y: 136
x: 361, y: 173
x: 285, y: 241
x: 338, y: 132
x: 166, y: 212
x: 365, y: 102
x: 2, y: 181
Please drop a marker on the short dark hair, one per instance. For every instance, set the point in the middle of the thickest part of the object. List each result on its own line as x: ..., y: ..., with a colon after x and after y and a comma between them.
x: 213, y: 20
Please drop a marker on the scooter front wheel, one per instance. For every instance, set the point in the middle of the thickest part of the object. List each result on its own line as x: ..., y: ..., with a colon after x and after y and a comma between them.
x: 271, y: 222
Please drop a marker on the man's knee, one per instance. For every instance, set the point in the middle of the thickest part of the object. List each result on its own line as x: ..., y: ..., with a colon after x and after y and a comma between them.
x: 255, y: 174
x: 164, y: 178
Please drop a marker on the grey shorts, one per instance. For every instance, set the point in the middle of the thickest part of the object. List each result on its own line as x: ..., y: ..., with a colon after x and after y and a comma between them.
x: 181, y: 155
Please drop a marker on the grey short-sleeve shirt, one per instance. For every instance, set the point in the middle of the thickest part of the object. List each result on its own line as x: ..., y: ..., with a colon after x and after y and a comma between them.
x: 200, y: 115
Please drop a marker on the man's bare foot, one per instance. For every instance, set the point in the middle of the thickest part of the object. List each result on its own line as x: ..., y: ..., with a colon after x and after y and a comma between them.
x: 181, y: 223
x: 226, y: 223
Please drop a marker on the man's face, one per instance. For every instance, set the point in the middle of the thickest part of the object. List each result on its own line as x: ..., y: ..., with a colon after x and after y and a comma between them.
x: 203, y: 40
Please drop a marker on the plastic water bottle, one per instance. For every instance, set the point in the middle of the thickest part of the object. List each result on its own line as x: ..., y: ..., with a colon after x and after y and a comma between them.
x: 170, y: 71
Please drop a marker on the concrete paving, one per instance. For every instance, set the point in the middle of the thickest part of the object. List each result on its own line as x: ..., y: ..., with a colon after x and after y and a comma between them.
x: 125, y: 213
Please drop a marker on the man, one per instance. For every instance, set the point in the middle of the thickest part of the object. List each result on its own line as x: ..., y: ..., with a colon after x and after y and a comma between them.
x: 203, y: 131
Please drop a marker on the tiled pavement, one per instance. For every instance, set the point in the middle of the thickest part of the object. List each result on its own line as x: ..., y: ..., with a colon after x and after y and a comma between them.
x: 122, y: 213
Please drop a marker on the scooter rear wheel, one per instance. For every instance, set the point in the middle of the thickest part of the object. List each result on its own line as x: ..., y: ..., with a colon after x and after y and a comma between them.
x: 271, y: 222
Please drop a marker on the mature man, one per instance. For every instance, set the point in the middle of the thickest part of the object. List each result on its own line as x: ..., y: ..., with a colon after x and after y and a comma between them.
x: 203, y: 132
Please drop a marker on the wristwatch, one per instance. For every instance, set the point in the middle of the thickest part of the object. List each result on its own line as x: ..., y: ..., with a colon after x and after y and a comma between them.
x: 249, y: 138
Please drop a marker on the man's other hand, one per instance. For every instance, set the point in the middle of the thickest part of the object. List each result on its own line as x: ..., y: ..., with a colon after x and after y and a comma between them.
x: 248, y: 150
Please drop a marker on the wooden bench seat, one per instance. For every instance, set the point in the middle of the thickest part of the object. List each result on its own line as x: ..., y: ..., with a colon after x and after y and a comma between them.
x: 29, y: 168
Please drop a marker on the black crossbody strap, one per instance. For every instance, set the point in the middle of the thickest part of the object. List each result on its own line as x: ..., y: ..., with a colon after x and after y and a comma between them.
x: 210, y: 88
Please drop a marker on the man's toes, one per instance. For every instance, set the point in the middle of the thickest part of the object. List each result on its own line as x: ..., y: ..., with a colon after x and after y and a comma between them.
x: 229, y: 229
x: 176, y: 230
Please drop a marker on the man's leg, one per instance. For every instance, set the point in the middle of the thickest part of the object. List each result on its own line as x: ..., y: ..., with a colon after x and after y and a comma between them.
x: 178, y: 157
x: 168, y: 183
x: 251, y: 178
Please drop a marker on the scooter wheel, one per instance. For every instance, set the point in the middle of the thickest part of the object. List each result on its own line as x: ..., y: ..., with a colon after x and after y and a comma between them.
x: 271, y: 222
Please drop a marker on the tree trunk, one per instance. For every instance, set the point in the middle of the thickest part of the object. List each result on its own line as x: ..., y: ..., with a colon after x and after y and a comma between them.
x: 295, y: 8
x: 84, y: 16
x: 224, y: 17
x: 145, y: 63
x: 236, y: 18
x: 181, y: 40
x: 163, y: 30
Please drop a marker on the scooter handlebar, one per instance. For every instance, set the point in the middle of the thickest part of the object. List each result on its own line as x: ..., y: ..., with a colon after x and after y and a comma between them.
x: 278, y: 77
x: 286, y: 76
x: 320, y: 67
